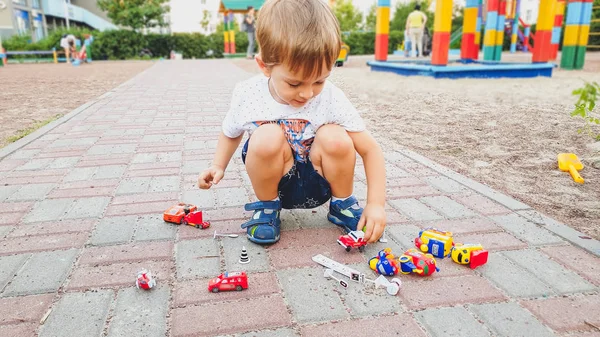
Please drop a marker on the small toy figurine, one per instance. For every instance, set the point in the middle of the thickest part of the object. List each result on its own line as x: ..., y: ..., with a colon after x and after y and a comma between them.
x: 384, y: 263
x: 237, y: 280
x: 185, y: 214
x: 435, y: 242
x: 176, y: 213
x: 354, y: 239
x: 244, y: 256
x: 473, y: 255
x: 414, y: 261
x: 144, y: 280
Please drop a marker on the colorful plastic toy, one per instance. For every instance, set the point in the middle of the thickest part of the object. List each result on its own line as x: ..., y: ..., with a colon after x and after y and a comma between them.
x: 237, y: 280
x: 473, y: 255
x: 384, y: 263
x: 176, y: 213
x: 185, y: 214
x: 435, y: 242
x: 144, y: 280
x: 415, y: 262
x: 354, y: 239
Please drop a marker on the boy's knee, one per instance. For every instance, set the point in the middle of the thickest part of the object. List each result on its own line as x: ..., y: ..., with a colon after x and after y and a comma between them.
x: 334, y: 140
x: 267, y: 140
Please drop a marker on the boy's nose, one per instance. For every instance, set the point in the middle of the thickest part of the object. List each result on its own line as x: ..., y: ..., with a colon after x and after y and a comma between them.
x: 306, y: 94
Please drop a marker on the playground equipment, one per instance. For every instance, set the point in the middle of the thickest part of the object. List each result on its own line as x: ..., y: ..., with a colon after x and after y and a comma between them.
x: 55, y: 54
x: 547, y: 38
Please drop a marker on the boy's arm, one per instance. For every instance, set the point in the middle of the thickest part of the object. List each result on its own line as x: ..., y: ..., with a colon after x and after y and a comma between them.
x: 374, y: 214
x: 225, y: 149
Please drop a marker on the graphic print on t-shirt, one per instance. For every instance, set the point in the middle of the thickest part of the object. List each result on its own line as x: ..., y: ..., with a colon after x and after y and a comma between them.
x: 294, y: 131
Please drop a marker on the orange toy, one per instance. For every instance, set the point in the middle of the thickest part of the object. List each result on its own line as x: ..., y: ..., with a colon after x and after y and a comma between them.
x: 176, y: 213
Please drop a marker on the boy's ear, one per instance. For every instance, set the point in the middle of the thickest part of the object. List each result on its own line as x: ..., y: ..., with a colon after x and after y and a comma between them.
x: 263, y: 67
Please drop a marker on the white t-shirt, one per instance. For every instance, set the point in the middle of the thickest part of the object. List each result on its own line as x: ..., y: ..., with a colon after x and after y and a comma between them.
x: 252, y: 105
x: 64, y: 42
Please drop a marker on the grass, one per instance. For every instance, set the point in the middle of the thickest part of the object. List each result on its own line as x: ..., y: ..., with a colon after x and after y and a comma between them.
x: 24, y: 132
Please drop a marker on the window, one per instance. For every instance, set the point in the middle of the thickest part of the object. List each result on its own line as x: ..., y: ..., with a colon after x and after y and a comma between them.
x: 20, y: 2
x: 22, y: 19
x: 38, y: 27
x: 35, y: 3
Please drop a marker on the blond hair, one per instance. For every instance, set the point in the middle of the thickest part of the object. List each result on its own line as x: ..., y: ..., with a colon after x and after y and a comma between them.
x: 302, y: 34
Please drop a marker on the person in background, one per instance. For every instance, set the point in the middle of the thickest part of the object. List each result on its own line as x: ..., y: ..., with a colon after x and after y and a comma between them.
x: 67, y: 42
x: 250, y: 30
x: 415, y: 24
x: 407, y: 44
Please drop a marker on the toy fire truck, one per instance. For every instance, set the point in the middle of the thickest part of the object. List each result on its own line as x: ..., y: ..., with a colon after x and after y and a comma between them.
x: 354, y: 239
x: 185, y: 214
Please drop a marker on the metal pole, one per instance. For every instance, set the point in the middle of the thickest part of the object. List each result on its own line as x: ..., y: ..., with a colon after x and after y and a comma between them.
x: 67, y: 12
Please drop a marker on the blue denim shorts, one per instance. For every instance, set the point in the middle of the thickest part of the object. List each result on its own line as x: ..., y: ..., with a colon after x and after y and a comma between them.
x: 302, y: 186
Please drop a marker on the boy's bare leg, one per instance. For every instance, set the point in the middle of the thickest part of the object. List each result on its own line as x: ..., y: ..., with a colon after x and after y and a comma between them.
x: 268, y: 159
x: 333, y: 156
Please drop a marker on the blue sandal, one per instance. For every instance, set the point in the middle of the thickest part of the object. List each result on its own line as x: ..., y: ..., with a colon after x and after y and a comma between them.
x: 343, y: 214
x: 263, y: 228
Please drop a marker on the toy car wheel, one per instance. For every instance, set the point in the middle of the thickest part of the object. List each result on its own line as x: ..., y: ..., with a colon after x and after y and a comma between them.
x: 361, y: 248
x: 238, y: 288
x: 183, y: 222
x: 197, y: 226
x: 215, y: 290
x: 348, y: 249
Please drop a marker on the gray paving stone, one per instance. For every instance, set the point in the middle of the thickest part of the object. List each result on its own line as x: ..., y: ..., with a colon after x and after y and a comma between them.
x: 201, y: 198
x: 512, y: 278
x: 393, y: 171
x: 311, y: 297
x: 111, y: 149
x: 87, y: 208
x: 4, y: 230
x: 197, y: 258
x: 35, y: 164
x: 415, y: 209
x: 134, y: 185
x: 43, y: 273
x: 235, y: 196
x: 48, y: 210
x: 526, y: 230
x: 196, y: 145
x: 405, y: 235
x: 167, y: 138
x: 448, y: 207
x: 283, y: 332
x: 169, y: 157
x: 140, y: 313
x: 366, y: 300
x: 109, y: 171
x: 153, y: 227
x: 395, y: 157
x: 142, y: 158
x: 114, y: 230
x: 445, y: 184
x: 232, y: 248
x: 555, y: 275
x: 311, y: 218
x: 25, y: 154
x: 65, y: 162
x: 510, y: 320
x: 80, y: 173
x: 195, y: 166
x: 564, y: 231
x: 164, y: 184
x: 9, y: 265
x: 288, y: 221
x: 32, y: 192
x: 449, y: 322
x: 7, y: 191
x: 78, y: 314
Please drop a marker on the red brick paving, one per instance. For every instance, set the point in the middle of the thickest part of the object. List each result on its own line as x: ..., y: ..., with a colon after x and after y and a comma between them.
x: 18, y: 330
x: 420, y: 293
x: 403, y: 325
x: 55, y: 227
x: 308, y: 237
x: 230, y: 317
x: 145, y: 197
x: 405, y: 181
x: 411, y: 192
x: 228, y: 226
x: 462, y: 226
x: 95, y: 183
x: 493, y: 241
x: 196, y: 291
x: 10, y: 207
x: 24, y: 308
x: 26, y: 244
x: 127, y: 253
x: 578, y: 260
x: 302, y: 256
x: 567, y: 313
x: 82, y: 192
x: 117, y: 275
x: 482, y: 204
x: 157, y: 207
x: 93, y: 161
x: 31, y: 180
x: 168, y: 171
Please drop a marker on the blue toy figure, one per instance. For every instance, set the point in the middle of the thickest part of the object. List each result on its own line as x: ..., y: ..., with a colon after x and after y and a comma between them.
x: 384, y: 263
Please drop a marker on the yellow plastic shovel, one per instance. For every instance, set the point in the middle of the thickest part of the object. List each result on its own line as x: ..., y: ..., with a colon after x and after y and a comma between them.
x: 570, y: 162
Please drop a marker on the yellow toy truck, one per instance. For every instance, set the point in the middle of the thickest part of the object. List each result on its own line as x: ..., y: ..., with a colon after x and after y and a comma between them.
x: 435, y: 242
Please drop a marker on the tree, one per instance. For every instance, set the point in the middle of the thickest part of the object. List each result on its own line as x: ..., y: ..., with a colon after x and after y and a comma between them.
x: 349, y: 17
x: 402, y: 11
x: 371, y: 19
x: 136, y: 14
x: 205, y: 19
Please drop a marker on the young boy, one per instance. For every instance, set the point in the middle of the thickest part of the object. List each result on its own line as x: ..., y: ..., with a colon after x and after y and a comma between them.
x: 304, y: 132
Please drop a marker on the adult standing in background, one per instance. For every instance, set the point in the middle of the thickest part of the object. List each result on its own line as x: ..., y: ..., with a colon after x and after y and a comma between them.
x: 249, y: 23
x: 415, y: 24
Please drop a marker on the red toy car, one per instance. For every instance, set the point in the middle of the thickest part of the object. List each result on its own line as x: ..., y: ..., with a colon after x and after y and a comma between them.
x: 414, y: 261
x: 354, y: 239
x: 237, y: 280
x: 176, y: 213
x: 185, y: 214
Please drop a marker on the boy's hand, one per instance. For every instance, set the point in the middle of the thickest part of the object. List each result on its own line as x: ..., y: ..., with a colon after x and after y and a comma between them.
x: 210, y: 176
x: 374, y: 219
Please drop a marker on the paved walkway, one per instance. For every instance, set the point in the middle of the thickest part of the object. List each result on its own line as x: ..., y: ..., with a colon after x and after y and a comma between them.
x: 81, y: 212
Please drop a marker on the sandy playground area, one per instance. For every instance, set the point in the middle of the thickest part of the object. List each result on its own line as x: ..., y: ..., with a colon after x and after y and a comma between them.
x: 505, y: 133
x: 37, y: 92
